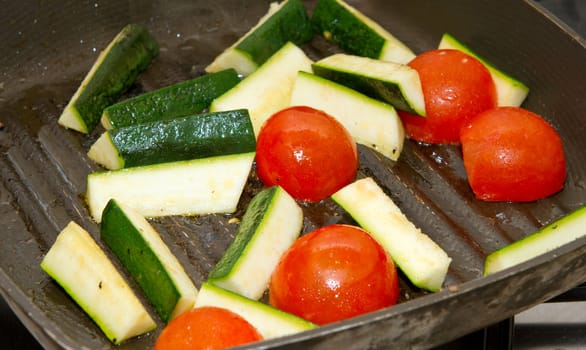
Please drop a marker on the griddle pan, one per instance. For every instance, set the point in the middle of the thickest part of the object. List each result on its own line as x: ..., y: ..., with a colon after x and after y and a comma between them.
x: 47, y: 47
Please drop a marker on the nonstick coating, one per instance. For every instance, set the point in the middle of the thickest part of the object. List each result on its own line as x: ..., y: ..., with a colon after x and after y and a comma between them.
x: 47, y: 47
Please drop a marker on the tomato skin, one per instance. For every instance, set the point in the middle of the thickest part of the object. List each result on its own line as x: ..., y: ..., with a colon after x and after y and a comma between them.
x: 334, y: 273
x: 206, y: 328
x: 512, y: 154
x: 455, y: 87
x: 307, y: 152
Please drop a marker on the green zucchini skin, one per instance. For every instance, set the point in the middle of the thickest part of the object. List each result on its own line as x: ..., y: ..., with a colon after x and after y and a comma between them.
x: 345, y: 30
x: 197, y: 136
x: 272, y: 222
x: 149, y: 261
x: 185, y: 98
x: 290, y: 23
x: 134, y: 253
x: 126, y: 57
x: 285, y: 22
x: 382, y: 88
x: 248, y: 226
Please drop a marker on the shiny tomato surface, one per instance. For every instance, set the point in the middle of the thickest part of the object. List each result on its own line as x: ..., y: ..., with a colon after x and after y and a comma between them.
x: 307, y: 152
x: 456, y: 87
x: 334, y: 273
x: 206, y: 328
x: 512, y: 154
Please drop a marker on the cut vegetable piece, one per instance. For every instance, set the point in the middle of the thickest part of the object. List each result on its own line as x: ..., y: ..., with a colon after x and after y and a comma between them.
x: 269, y: 321
x: 148, y: 259
x: 271, y: 223
x: 395, y: 83
x: 183, y: 138
x: 284, y: 22
x: 191, y: 187
x: 509, y: 91
x: 79, y: 265
x: 416, y: 254
x: 562, y: 231
x: 268, y: 89
x: 357, y: 34
x: 182, y: 99
x: 114, y: 71
x: 370, y: 122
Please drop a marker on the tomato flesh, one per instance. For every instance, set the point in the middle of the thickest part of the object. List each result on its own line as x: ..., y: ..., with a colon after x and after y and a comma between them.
x: 307, y: 152
x: 512, y: 154
x: 456, y: 87
x: 333, y: 273
x: 206, y: 328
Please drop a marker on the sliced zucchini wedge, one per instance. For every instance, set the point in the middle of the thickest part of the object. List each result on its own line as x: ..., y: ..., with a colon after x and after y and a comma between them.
x: 148, y: 259
x: 509, y: 91
x: 182, y: 138
x: 372, y: 123
x: 562, y: 231
x: 181, y: 99
x: 284, y: 22
x: 190, y: 187
x: 394, y: 83
x: 114, y: 71
x: 269, y: 321
x: 270, y: 225
x: 80, y: 266
x: 423, y: 261
x: 268, y: 89
x: 357, y: 34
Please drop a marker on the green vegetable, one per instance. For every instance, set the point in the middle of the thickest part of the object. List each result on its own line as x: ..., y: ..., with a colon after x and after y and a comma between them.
x: 115, y: 70
x: 190, y: 187
x: 268, y: 89
x: 148, y: 259
x: 79, y: 265
x: 562, y: 231
x: 272, y: 222
x: 423, y: 261
x: 394, y: 83
x: 269, y: 321
x: 357, y: 34
x: 284, y: 22
x: 181, y: 99
x: 370, y: 122
x: 184, y: 138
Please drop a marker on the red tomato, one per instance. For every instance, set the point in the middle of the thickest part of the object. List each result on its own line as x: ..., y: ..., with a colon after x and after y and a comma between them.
x: 333, y: 273
x: 307, y: 152
x: 206, y: 328
x: 455, y: 87
x: 512, y: 154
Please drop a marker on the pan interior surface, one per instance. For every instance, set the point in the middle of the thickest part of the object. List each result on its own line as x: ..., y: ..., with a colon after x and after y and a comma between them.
x: 47, y: 50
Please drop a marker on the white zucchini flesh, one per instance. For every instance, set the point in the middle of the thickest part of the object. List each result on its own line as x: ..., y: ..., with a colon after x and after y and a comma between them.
x: 169, y: 263
x: 268, y: 89
x: 422, y: 260
x: 78, y: 264
x: 193, y: 187
x: 562, y: 231
x: 279, y: 227
x: 370, y: 122
x: 510, y: 91
x: 269, y: 321
x: 105, y: 153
